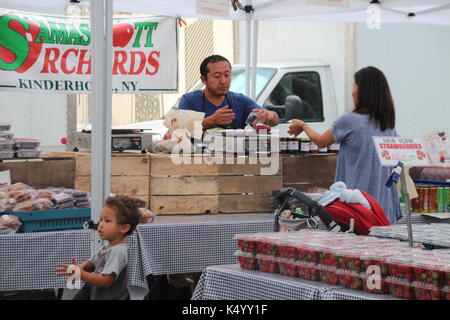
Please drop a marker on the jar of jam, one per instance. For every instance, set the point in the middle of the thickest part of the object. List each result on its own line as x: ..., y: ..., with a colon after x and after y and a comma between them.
x: 323, y: 150
x: 334, y: 148
x: 305, y: 145
x: 313, y: 148
x: 293, y: 146
x: 284, y: 145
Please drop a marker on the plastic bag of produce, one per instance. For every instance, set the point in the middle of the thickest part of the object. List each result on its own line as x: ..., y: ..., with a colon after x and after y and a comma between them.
x: 9, y: 224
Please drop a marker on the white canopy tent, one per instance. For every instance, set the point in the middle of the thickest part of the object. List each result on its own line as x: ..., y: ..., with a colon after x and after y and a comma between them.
x: 391, y: 11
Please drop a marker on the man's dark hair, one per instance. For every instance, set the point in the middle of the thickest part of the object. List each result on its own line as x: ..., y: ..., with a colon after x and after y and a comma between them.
x: 374, y: 97
x: 127, y: 210
x: 214, y: 58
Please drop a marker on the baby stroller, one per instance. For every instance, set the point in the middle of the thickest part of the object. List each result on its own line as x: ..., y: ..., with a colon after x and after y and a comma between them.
x: 337, y: 216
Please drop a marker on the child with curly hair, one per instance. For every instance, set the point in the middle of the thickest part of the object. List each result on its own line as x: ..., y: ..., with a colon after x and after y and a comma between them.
x: 106, y: 273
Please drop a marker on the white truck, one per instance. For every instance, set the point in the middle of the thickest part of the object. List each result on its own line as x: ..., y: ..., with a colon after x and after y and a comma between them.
x: 295, y: 90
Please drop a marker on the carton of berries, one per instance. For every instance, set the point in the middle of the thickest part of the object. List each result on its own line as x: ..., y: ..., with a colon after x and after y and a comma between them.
x: 308, y: 271
x: 327, y: 274
x: 246, y: 242
x: 287, y: 249
x: 445, y: 293
x: 429, y: 271
x: 446, y: 270
x: 267, y: 247
x: 267, y: 263
x: 246, y: 260
x: 400, y: 288
x: 348, y: 259
x: 307, y: 253
x: 401, y: 267
x: 426, y: 291
x: 375, y: 258
x: 326, y: 256
x: 349, y: 279
x: 374, y: 284
x: 287, y: 267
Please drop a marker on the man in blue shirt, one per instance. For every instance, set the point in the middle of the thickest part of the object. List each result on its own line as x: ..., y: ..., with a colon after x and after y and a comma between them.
x: 222, y: 107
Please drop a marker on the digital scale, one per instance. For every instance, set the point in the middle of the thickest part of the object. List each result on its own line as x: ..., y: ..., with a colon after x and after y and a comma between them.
x: 121, y: 140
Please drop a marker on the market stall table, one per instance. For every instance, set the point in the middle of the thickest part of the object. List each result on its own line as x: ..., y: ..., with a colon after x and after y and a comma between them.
x: 230, y: 282
x: 28, y: 260
x: 183, y: 244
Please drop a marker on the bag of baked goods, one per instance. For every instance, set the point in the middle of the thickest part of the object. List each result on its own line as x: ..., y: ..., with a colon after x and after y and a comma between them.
x: 9, y: 224
x: 145, y: 215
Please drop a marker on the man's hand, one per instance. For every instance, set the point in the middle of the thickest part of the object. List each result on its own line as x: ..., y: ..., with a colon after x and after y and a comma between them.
x: 296, y: 127
x: 265, y: 116
x: 222, y: 116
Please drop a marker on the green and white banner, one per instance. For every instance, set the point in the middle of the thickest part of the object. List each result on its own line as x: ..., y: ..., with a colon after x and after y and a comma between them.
x: 46, y: 53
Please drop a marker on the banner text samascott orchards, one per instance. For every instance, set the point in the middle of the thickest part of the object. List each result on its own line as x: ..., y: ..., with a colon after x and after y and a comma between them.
x: 22, y: 39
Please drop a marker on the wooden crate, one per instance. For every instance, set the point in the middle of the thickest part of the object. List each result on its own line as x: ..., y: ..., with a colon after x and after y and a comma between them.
x: 316, y: 170
x: 199, y: 185
x: 130, y: 173
x: 42, y: 173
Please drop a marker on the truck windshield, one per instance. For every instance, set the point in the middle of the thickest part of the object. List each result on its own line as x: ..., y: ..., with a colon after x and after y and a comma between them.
x: 263, y: 76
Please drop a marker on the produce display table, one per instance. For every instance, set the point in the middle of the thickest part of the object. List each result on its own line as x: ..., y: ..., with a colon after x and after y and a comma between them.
x: 183, y: 244
x: 230, y: 282
x: 28, y: 260
x: 433, y: 234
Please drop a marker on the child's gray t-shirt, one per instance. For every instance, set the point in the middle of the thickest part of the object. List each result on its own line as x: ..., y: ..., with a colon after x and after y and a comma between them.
x: 107, y: 261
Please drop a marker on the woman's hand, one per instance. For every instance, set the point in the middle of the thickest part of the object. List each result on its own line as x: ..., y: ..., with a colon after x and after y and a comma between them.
x: 296, y: 127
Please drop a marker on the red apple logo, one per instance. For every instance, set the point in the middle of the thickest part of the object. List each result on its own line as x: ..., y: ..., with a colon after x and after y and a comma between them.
x: 122, y: 33
x: 30, y: 35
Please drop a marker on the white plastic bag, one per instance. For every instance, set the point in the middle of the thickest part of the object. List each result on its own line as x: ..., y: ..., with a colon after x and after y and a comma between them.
x: 184, y: 119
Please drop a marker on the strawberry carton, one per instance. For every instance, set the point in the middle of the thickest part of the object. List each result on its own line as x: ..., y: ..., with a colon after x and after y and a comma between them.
x: 288, y: 267
x: 246, y: 260
x: 287, y: 249
x: 375, y: 259
x: 445, y: 293
x: 446, y: 270
x: 246, y: 243
x: 267, y: 263
x: 267, y: 247
x: 326, y: 256
x: 426, y: 291
x: 348, y: 259
x: 327, y: 274
x: 349, y: 279
x: 307, y: 253
x: 400, y: 288
x: 400, y: 267
x: 374, y: 284
x: 308, y: 271
x: 431, y: 272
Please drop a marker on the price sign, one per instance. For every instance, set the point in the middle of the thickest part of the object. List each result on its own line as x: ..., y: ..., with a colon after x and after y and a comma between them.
x: 410, y: 151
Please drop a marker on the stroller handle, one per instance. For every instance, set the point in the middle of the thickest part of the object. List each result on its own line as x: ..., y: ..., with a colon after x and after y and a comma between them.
x: 317, y: 208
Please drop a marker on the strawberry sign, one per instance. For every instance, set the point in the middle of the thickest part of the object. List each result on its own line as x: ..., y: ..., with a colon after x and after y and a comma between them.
x: 43, y: 53
x: 410, y: 151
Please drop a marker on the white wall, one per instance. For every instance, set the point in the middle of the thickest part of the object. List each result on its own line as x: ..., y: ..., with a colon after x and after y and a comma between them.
x: 416, y: 61
x: 328, y: 42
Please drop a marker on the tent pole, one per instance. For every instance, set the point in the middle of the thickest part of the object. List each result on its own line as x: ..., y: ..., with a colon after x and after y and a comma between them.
x: 254, y: 58
x: 248, y: 29
x: 101, y: 109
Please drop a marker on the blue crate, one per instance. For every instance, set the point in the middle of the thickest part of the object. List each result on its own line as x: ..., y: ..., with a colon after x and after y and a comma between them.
x: 52, y: 220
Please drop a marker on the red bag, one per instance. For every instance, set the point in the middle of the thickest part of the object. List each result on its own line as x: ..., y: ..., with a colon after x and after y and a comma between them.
x: 342, y: 212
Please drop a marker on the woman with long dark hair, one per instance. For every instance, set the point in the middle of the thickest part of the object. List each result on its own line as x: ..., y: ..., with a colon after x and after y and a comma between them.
x: 358, y: 164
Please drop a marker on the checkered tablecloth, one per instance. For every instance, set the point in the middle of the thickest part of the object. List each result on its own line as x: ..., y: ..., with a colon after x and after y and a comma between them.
x: 172, y: 245
x: 417, y: 218
x: 230, y: 282
x: 434, y: 234
x: 28, y: 260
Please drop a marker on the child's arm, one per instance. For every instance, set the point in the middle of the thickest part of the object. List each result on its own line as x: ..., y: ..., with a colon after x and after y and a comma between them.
x: 87, y: 266
x: 99, y: 280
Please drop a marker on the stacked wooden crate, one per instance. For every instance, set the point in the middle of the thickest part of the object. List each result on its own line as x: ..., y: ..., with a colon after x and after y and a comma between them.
x: 199, y: 186
x: 130, y: 174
